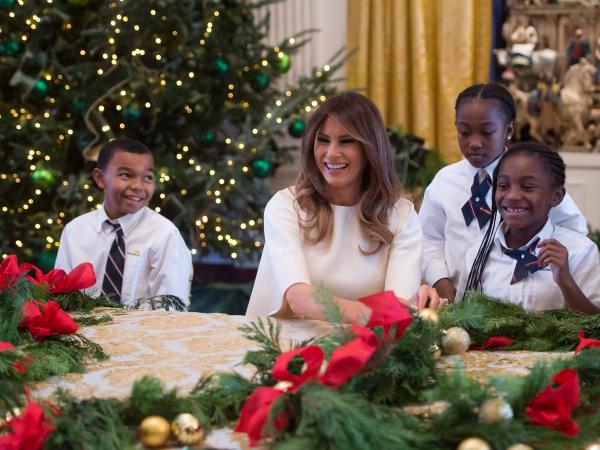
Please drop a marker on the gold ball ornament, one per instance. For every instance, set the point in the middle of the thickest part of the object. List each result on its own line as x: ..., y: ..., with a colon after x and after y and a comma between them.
x: 154, y: 431
x: 437, y: 353
x: 473, y: 443
x: 520, y: 447
x: 495, y: 410
x: 430, y: 315
x: 455, y: 341
x: 187, y: 429
x: 593, y: 446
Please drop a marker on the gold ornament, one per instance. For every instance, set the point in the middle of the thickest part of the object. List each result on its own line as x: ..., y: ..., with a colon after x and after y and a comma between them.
x: 495, y: 410
x: 519, y: 447
x: 187, y: 429
x: 284, y: 385
x: 437, y: 353
x: 15, y: 412
x: 430, y: 315
x: 455, y: 341
x: 593, y: 446
x: 473, y: 443
x: 154, y: 431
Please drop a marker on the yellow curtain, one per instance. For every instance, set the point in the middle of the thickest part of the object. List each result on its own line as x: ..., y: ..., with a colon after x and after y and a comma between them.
x: 414, y: 57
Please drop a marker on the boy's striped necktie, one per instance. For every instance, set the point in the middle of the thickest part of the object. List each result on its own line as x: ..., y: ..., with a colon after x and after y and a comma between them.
x: 113, y: 275
x: 476, y: 206
x: 527, y: 262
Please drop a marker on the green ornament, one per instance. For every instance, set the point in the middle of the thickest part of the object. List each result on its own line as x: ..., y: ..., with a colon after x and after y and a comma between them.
x: 7, y: 4
x: 260, y: 82
x: 43, y: 177
x: 78, y: 3
x: 46, y: 260
x: 262, y: 168
x: 132, y: 112
x: 79, y: 105
x: 40, y: 88
x: 222, y: 65
x: 208, y: 138
x: 296, y: 128
x: 283, y: 62
x: 12, y: 48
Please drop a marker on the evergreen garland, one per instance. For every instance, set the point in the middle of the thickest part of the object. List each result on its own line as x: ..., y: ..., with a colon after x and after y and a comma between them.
x: 366, y: 412
x: 553, y: 330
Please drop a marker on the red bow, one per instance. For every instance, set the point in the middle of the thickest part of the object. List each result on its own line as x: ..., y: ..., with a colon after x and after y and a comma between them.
x: 387, y: 312
x: 344, y: 363
x: 27, y: 431
x: 9, y: 270
x: 59, y: 281
x: 43, y: 319
x: 494, y: 342
x: 20, y: 368
x: 552, y: 407
x: 586, y: 342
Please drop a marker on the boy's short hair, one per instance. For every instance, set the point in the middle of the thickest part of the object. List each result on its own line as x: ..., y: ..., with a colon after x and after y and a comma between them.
x: 123, y: 145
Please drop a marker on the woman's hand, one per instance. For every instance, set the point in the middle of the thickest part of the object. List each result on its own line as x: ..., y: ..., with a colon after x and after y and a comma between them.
x: 427, y: 297
x: 555, y: 255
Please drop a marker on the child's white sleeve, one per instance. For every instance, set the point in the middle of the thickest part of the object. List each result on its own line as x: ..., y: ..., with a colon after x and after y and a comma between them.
x: 433, y: 219
x: 585, y: 270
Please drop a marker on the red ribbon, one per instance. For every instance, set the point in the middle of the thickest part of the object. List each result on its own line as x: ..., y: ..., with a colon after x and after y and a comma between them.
x: 344, y: 363
x: 18, y: 366
x: 255, y: 413
x: 59, y: 282
x: 494, y: 342
x: 27, y: 431
x: 552, y: 407
x: 9, y: 270
x: 387, y: 312
x: 586, y: 342
x: 43, y: 319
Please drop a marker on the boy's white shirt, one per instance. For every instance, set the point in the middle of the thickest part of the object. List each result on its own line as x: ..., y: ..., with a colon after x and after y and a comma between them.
x: 157, y: 261
x: 537, y: 291
x: 446, y: 238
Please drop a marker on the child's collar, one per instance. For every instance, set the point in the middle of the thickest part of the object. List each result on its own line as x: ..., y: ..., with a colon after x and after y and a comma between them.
x: 127, y: 222
x: 489, y: 168
x: 544, y: 233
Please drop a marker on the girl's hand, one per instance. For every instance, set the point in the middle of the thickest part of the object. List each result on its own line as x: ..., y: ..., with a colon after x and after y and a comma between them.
x: 555, y: 255
x: 445, y: 288
x: 427, y: 297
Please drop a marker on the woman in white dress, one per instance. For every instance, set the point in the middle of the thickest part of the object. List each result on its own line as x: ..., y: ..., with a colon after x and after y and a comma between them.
x: 344, y: 225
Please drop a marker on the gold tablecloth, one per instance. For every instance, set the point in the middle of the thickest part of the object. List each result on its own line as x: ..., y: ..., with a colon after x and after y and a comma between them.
x: 178, y: 347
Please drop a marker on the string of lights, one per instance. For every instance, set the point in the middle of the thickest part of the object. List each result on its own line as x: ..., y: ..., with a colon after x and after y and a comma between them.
x: 191, y: 79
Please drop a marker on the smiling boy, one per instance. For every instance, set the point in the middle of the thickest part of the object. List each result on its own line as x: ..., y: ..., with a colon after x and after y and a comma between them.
x: 136, y: 252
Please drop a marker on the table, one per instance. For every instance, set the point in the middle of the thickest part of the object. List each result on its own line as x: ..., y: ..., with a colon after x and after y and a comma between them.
x: 178, y: 347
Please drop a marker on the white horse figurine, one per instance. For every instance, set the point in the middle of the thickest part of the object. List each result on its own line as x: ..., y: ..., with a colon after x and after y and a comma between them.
x: 576, y: 102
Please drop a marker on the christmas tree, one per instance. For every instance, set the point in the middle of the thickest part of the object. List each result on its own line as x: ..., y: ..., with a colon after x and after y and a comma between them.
x: 192, y: 79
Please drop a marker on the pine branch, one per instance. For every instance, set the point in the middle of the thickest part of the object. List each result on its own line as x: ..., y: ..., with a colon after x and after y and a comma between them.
x: 160, y: 302
x: 58, y: 355
x: 221, y: 396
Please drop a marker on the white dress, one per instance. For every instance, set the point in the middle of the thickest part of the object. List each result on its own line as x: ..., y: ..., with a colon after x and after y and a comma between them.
x: 337, y: 264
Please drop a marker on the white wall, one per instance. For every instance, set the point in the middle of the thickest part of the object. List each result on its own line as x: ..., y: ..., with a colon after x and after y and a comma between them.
x: 583, y: 184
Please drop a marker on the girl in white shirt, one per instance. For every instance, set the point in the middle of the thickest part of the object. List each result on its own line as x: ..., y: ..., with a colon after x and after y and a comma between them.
x: 527, y: 259
x: 344, y: 225
x: 455, y: 211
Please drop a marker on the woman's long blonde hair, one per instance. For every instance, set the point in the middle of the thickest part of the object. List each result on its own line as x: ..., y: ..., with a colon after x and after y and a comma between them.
x: 381, y: 187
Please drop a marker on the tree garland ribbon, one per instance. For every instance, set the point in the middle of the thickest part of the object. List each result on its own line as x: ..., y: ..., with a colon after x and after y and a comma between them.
x: 552, y: 407
x: 346, y: 361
